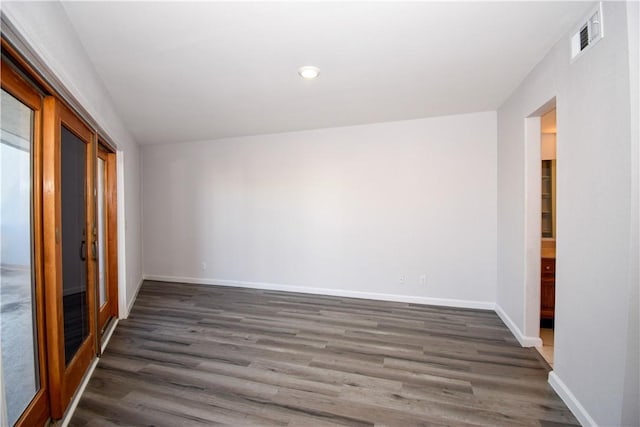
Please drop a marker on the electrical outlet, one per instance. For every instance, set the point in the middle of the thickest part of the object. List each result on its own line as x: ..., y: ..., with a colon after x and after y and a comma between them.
x: 204, y: 266
x: 423, y: 279
x: 401, y: 279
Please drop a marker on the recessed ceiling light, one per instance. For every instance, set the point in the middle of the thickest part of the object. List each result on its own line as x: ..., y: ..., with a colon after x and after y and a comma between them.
x: 308, y: 72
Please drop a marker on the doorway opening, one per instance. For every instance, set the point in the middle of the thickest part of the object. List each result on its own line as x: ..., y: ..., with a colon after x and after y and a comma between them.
x: 548, y: 233
x: 540, y: 228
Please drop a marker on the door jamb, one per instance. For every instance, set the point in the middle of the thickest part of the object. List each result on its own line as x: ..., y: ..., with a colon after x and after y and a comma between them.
x: 532, y: 223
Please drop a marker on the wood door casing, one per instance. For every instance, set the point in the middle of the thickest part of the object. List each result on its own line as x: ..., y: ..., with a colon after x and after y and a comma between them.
x: 110, y: 308
x: 37, y: 412
x: 64, y: 378
x: 112, y: 234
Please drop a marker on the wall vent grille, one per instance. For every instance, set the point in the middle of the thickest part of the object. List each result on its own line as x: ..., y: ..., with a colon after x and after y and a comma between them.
x: 589, y: 33
x: 584, y: 37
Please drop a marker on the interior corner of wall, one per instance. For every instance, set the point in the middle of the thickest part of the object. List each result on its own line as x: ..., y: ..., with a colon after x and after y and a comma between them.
x: 524, y: 340
x: 132, y: 301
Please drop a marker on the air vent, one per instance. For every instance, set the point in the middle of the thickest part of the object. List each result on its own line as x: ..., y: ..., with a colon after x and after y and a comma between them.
x: 590, y: 33
x: 584, y: 37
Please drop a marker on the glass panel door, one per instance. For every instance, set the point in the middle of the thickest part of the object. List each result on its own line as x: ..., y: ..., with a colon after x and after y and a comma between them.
x: 48, y: 236
x: 106, y: 243
x: 18, y: 338
x: 69, y: 261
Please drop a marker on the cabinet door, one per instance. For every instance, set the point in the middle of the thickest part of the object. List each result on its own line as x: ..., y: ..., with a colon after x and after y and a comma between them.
x: 547, y: 298
x: 548, y: 268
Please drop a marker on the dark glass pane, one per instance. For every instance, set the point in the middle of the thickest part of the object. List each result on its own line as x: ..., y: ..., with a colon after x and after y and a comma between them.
x: 74, y: 243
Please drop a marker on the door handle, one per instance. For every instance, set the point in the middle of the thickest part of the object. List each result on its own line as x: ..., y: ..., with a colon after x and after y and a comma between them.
x: 94, y: 250
x: 83, y: 251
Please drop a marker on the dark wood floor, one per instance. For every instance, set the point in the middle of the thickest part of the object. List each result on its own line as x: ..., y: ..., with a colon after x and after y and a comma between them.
x: 205, y: 355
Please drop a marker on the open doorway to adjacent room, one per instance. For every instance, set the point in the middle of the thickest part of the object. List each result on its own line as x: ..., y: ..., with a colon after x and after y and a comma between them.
x: 540, y: 228
x: 548, y: 233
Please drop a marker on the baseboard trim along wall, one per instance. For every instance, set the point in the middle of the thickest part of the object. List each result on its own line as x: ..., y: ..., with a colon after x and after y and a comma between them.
x: 133, y: 299
x: 570, y: 400
x: 446, y: 302
x: 85, y: 381
x: 66, y: 419
x: 108, y: 333
x: 524, y: 340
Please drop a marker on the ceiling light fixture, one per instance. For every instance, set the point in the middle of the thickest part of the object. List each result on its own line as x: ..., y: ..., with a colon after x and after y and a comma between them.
x: 308, y: 72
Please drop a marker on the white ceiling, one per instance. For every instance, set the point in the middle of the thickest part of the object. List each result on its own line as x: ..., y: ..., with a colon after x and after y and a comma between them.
x: 182, y: 71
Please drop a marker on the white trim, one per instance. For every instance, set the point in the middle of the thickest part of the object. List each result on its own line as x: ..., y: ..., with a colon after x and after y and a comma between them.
x: 483, y: 305
x: 122, y: 247
x: 532, y: 224
x: 524, y: 340
x: 78, y: 394
x: 570, y: 400
x: 109, y: 333
x: 133, y: 300
x: 87, y: 377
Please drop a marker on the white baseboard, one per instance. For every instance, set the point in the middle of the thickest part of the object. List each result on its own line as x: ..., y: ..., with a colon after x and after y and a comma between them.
x: 483, y: 305
x: 133, y: 300
x: 78, y: 394
x: 87, y: 377
x: 524, y: 340
x: 106, y: 337
x: 571, y: 401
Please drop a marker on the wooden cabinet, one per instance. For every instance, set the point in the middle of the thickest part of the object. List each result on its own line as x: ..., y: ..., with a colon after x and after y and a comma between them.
x: 548, y: 207
x: 548, y: 288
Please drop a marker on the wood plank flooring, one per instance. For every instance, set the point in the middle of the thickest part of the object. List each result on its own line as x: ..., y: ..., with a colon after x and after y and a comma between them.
x: 193, y: 355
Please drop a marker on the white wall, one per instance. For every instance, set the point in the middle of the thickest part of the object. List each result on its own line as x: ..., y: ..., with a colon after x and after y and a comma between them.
x: 594, y: 297
x: 631, y: 409
x: 343, y: 210
x: 52, y: 41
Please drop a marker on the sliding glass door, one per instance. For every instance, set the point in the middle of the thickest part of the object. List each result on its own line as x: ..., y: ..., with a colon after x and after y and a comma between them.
x: 20, y: 364
x: 24, y: 395
x: 58, y: 247
x: 70, y: 254
x: 106, y: 225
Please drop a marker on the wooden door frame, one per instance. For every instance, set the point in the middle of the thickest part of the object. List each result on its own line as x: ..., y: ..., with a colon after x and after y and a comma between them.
x: 112, y: 226
x: 63, y: 379
x: 37, y: 412
x: 111, y: 233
